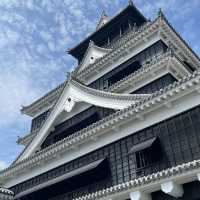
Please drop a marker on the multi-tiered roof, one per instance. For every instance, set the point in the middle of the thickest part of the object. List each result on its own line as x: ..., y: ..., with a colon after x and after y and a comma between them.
x: 96, y: 55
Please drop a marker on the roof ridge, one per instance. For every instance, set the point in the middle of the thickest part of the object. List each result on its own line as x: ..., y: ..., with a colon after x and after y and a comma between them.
x: 133, y: 109
x: 90, y: 45
x: 146, y: 66
x: 166, y: 173
x: 132, y: 32
x: 103, y: 20
x: 113, y: 17
x: 44, y: 96
x: 74, y: 74
x: 15, y: 161
x: 109, y: 93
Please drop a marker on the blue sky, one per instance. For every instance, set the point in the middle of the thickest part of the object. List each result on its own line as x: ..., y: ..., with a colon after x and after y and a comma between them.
x: 34, y: 37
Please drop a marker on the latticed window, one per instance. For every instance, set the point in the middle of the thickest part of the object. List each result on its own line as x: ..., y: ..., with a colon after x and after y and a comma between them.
x: 76, y: 123
x: 124, y: 72
x: 37, y: 122
x: 143, y: 158
x: 156, y: 85
x: 146, y: 153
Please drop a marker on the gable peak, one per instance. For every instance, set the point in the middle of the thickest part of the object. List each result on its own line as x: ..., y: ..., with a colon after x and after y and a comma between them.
x: 103, y: 20
x: 103, y: 14
x: 160, y: 13
x: 130, y: 2
x: 91, y: 43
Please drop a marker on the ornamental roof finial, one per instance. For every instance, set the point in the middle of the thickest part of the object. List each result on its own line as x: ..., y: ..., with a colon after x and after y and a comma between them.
x: 103, y: 20
x: 68, y: 50
x: 160, y: 13
x: 22, y: 107
x: 104, y: 14
x: 130, y: 2
x: 69, y: 76
x: 91, y: 43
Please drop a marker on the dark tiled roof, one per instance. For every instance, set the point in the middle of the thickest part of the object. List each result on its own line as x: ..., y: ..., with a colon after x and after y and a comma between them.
x: 158, y: 97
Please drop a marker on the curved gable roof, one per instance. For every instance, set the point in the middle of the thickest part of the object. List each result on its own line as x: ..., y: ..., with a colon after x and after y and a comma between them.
x: 72, y: 93
x: 92, y: 54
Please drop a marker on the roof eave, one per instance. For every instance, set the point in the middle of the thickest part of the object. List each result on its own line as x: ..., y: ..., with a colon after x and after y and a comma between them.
x: 172, y: 90
x: 72, y: 50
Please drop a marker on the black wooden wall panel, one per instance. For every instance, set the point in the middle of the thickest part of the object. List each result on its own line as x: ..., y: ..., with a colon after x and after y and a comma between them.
x: 150, y: 52
x: 76, y: 123
x: 156, y: 85
x: 38, y: 121
x: 81, y: 120
x: 180, y: 143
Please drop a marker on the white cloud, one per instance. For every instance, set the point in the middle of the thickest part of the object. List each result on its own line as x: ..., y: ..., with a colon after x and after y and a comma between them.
x: 16, y: 90
x: 3, y: 165
x: 178, y: 9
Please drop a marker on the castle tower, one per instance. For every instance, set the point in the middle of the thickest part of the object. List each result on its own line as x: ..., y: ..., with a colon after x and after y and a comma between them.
x: 123, y: 125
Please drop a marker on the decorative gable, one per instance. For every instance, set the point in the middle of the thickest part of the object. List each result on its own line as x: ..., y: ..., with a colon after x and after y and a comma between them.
x: 103, y: 20
x: 92, y: 54
x: 73, y: 93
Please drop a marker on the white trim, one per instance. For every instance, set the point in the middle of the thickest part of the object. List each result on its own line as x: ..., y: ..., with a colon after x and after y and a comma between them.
x: 117, y: 54
x: 181, y: 174
x: 68, y: 175
x: 127, y: 55
x: 78, y: 108
x: 167, y: 65
x: 91, y: 55
x: 76, y: 92
x: 149, y: 79
x: 102, y: 21
x: 113, y: 64
x: 165, y: 32
x: 187, y: 100
x: 138, y: 195
x: 181, y: 48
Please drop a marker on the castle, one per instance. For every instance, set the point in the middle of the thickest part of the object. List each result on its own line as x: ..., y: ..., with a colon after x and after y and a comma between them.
x: 123, y: 125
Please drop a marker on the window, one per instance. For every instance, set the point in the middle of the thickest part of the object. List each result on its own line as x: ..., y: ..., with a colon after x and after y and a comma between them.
x: 76, y: 123
x: 124, y: 72
x: 156, y: 85
x: 189, y: 66
x: 146, y: 153
x: 143, y: 158
x: 75, y: 179
x: 83, y: 123
x: 37, y: 122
